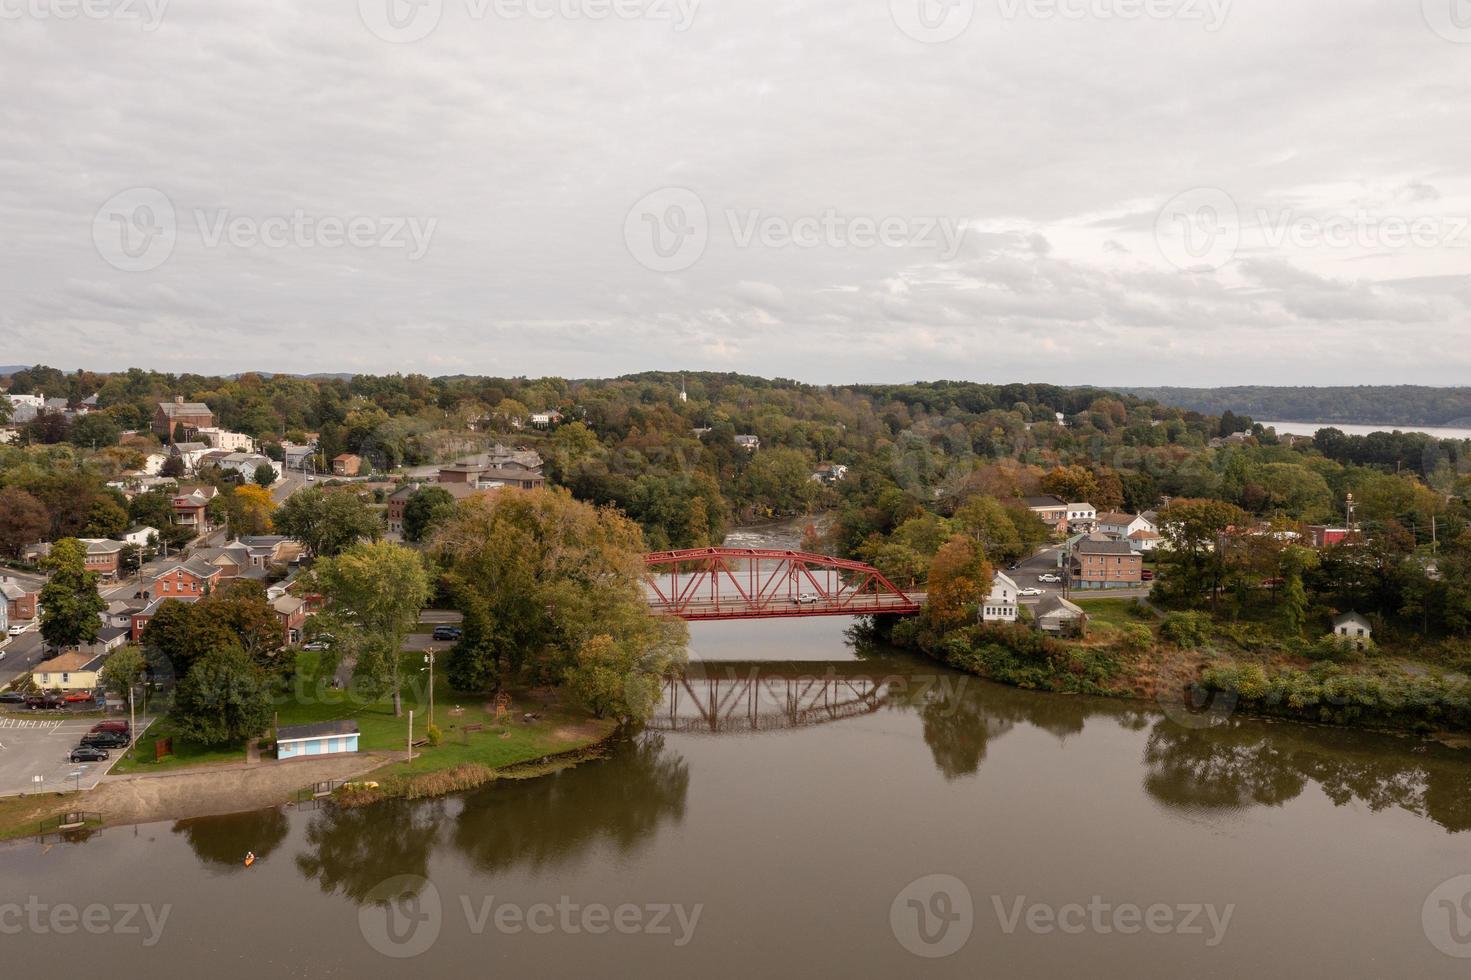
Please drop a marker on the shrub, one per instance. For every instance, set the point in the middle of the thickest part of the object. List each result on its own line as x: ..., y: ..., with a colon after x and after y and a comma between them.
x: 1187, y: 629
x: 1135, y: 638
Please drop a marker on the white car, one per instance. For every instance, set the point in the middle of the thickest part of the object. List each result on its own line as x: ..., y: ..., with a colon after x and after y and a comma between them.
x: 1049, y: 578
x: 17, y: 630
x: 1030, y: 592
x: 805, y: 598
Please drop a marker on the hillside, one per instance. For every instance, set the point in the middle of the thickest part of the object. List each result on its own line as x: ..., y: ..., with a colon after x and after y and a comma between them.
x: 1397, y: 404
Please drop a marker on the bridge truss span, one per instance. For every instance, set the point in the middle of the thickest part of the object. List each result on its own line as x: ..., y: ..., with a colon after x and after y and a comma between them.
x: 755, y: 583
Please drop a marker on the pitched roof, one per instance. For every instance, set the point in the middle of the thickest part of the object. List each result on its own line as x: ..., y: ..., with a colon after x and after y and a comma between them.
x: 1002, y: 579
x: 172, y: 409
x: 1052, y: 603
x: 1092, y: 546
x: 1116, y: 517
x: 1044, y: 502
x: 76, y: 660
x: 287, y: 605
x: 1351, y: 618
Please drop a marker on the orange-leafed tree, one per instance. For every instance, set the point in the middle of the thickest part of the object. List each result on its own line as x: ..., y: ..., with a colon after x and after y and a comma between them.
x: 959, y: 579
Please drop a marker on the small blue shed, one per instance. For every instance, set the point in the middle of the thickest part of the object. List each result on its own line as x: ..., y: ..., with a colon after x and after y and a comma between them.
x: 321, y: 738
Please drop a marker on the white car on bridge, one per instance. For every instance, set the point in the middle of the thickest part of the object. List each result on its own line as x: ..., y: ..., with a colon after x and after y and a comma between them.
x: 805, y: 598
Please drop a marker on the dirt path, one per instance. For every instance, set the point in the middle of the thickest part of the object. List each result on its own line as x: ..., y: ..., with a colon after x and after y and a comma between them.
x: 217, y: 789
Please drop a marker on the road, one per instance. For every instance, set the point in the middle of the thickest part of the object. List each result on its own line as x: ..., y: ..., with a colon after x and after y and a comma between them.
x: 1045, y: 562
x: 20, y: 654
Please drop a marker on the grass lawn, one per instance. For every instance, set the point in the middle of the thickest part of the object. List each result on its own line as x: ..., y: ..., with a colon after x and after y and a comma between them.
x: 1112, y: 611
x: 141, y: 758
x: 502, y: 742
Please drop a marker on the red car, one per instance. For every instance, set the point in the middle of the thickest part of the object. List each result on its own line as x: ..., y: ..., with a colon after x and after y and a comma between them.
x: 1147, y: 575
x: 76, y: 697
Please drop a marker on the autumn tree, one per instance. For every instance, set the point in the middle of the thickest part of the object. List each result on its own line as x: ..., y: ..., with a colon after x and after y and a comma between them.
x: 959, y: 579
x: 23, y: 521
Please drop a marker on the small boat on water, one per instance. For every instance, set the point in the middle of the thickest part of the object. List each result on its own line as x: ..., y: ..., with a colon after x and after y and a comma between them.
x: 249, y: 858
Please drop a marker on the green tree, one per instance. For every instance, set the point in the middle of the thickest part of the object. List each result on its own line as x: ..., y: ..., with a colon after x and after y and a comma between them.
x: 621, y: 680
x: 106, y: 519
x: 70, y: 602
x: 1198, y: 557
x: 123, y: 670
x: 539, y: 576
x: 427, y: 508
x: 375, y: 592
x: 327, y: 523
x: 265, y: 475
x: 95, y: 430
x: 989, y: 525
x: 224, y: 698
x: 1294, y: 602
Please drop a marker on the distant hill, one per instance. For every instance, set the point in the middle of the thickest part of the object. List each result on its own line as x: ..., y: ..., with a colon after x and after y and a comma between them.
x: 1366, y: 404
x: 8, y: 369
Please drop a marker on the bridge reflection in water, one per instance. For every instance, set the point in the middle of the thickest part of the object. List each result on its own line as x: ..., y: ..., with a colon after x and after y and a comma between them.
x: 733, y: 697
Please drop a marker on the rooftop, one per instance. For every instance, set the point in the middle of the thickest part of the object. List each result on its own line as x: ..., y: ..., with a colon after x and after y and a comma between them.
x: 320, y: 729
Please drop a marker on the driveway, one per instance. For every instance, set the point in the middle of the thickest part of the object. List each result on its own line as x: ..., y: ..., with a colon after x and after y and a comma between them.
x: 39, y: 746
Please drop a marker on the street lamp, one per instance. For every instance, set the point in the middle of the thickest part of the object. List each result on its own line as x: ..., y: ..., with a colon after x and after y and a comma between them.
x: 429, y: 659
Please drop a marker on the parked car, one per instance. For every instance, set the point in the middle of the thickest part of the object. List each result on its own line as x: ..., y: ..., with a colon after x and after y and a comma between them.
x: 448, y: 632
x: 317, y: 645
x: 105, y: 740
x: 111, y: 726
x: 78, y: 697
x: 1049, y: 578
x: 1012, y: 566
x: 12, y: 697
x: 17, y: 630
x: 1030, y: 591
x: 1147, y: 575
x: 88, y: 753
x: 43, y: 702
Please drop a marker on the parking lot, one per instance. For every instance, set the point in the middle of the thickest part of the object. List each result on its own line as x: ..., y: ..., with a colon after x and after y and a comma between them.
x: 39, y: 746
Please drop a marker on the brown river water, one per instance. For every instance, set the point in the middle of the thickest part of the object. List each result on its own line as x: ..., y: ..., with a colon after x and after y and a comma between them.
x: 800, y: 807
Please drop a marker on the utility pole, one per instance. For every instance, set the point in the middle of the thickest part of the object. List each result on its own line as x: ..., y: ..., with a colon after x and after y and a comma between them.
x: 429, y: 659
x: 132, y: 719
x: 411, y: 735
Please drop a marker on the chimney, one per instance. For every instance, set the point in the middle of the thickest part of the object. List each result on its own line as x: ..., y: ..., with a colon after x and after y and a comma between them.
x: 178, y: 399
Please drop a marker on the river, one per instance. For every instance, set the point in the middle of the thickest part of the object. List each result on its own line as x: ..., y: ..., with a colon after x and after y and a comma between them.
x: 1366, y: 428
x: 806, y: 806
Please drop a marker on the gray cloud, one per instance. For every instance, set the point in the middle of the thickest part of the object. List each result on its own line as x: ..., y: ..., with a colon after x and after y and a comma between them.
x: 1052, y: 143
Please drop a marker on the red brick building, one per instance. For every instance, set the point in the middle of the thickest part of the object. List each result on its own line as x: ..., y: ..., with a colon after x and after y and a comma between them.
x: 1099, y: 563
x: 20, y: 605
x: 191, y: 416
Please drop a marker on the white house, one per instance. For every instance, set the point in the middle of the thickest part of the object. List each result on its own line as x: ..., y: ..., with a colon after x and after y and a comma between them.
x: 1118, y: 525
x: 1000, y: 605
x: 749, y: 443
x: 235, y: 442
x: 1081, y: 516
x: 140, y: 535
x: 1354, y: 628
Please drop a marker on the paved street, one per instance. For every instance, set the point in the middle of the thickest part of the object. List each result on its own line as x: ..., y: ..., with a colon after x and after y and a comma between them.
x: 1045, y: 562
x: 20, y: 654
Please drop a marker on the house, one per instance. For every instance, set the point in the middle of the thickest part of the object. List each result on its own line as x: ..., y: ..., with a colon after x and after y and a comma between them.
x: 20, y: 604
x: 545, y: 420
x: 1058, y: 617
x: 190, y: 453
x: 190, y: 504
x: 194, y: 577
x: 1052, y: 512
x: 1353, y: 628
x: 320, y: 738
x: 346, y: 465
x: 243, y: 464
x: 140, y: 535
x: 292, y: 613
x: 141, y: 617
x: 1146, y: 541
x: 399, y: 499
x: 1081, y: 516
x: 1326, y: 537
x: 501, y: 467
x: 1000, y: 605
x: 748, y: 442
x: 74, y: 671
x: 233, y: 442
x: 295, y: 457
x: 190, y: 417
x: 829, y: 473
x: 1119, y: 525
x: 102, y: 557
x: 24, y: 408
x: 1102, y: 563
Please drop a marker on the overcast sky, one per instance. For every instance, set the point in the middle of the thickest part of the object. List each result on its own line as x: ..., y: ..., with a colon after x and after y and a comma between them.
x: 1079, y: 191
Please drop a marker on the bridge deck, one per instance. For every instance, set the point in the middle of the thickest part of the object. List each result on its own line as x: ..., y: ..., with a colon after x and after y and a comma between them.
x: 736, y: 608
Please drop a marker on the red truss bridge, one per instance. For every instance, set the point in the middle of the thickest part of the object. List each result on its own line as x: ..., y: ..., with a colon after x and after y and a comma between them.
x: 753, y: 583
